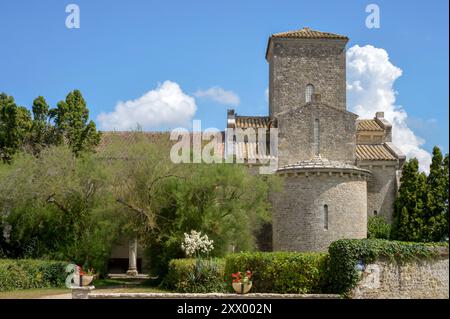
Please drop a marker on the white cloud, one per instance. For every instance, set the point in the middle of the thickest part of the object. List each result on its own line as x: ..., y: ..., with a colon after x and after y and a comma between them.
x: 219, y: 95
x: 266, y: 94
x: 370, y: 88
x: 164, y: 107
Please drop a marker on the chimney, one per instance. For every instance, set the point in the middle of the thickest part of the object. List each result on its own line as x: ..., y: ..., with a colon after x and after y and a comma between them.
x: 231, y: 118
x: 379, y: 115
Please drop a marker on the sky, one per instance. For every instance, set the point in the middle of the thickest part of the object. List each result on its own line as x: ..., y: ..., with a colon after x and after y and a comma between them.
x: 164, y: 63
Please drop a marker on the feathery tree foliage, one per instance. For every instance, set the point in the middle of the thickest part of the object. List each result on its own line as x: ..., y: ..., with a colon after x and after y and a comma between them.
x: 166, y: 200
x: 60, y: 206
x: 57, y: 206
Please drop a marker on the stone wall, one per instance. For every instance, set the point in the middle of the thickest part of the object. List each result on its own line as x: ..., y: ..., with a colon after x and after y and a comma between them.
x: 381, y: 189
x: 417, y: 279
x: 295, y: 63
x: 298, y: 211
x: 296, y: 140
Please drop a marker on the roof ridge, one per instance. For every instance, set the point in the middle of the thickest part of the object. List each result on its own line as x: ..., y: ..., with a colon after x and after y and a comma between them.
x: 307, y: 33
x: 311, y: 103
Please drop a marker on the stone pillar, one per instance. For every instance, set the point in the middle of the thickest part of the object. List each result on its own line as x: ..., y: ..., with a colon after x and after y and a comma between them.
x: 132, y: 258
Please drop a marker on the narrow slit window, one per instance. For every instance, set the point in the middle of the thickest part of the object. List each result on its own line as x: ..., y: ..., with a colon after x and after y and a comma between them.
x: 375, y: 213
x: 325, y: 217
x: 309, y: 92
x: 316, y: 138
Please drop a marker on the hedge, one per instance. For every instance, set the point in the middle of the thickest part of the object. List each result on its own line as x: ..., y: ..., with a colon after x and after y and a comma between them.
x: 31, y: 273
x: 281, y: 272
x: 195, y: 276
x: 345, y: 254
x: 378, y: 227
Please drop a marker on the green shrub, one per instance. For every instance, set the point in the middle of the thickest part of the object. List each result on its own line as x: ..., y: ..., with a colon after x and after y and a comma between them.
x: 378, y: 227
x: 30, y: 273
x: 281, y: 272
x: 345, y: 254
x: 195, y: 275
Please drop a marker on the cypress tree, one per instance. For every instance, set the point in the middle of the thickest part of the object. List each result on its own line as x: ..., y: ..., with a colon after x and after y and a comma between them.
x: 72, y: 124
x: 421, y: 208
x: 436, y: 212
x: 408, y: 223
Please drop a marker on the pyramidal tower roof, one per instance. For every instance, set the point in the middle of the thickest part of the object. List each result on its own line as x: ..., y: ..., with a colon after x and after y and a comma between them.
x: 307, y: 33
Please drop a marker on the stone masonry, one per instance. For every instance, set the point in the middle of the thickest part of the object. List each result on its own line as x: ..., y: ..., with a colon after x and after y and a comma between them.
x: 416, y: 279
x: 338, y: 169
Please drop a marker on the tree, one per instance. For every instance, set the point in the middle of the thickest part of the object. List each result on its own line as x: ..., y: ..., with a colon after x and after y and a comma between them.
x: 42, y: 133
x: 436, y: 213
x: 408, y: 220
x: 15, y: 123
x: 58, y: 206
x: 72, y: 125
x: 378, y: 227
x: 165, y: 200
x: 421, y: 208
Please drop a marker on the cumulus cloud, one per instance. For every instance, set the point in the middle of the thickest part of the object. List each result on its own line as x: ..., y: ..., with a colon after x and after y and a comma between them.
x: 219, y: 95
x: 163, y: 107
x: 370, y: 88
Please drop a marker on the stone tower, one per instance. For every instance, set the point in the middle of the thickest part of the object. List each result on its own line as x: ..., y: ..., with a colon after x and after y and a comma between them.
x: 304, y: 61
x: 325, y: 194
x: 338, y: 169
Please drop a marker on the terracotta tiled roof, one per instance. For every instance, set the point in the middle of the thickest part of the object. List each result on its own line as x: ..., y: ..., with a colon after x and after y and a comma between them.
x: 369, y: 125
x: 307, y: 33
x: 249, y: 151
x: 252, y: 121
x: 318, y: 162
x: 374, y: 152
x: 125, y: 138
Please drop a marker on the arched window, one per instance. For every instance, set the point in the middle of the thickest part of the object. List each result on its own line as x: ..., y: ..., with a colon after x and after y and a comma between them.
x: 325, y: 217
x: 375, y: 213
x: 309, y: 92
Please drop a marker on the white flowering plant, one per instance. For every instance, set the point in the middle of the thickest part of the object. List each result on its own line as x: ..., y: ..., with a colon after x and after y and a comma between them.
x: 196, y: 244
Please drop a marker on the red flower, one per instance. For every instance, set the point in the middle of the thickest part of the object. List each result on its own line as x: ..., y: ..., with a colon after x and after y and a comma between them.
x: 80, y: 271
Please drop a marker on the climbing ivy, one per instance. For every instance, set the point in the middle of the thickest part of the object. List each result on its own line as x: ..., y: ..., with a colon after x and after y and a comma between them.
x: 345, y: 254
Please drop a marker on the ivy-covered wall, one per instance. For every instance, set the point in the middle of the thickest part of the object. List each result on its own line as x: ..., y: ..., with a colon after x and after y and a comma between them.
x: 380, y: 269
x: 415, y: 279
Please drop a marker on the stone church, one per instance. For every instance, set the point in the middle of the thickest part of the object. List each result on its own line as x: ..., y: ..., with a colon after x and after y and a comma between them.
x: 338, y: 169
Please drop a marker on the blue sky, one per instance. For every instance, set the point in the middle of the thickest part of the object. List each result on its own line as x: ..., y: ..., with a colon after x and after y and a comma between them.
x: 123, y: 49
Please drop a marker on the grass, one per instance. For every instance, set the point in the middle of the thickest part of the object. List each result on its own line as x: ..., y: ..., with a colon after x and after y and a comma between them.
x: 33, y: 293
x: 133, y: 289
x: 101, y: 285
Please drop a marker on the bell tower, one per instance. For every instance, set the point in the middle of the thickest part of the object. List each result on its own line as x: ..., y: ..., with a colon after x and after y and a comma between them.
x: 303, y: 63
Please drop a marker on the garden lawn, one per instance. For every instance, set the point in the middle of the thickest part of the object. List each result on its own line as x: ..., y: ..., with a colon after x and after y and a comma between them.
x: 35, y: 293
x: 44, y: 293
